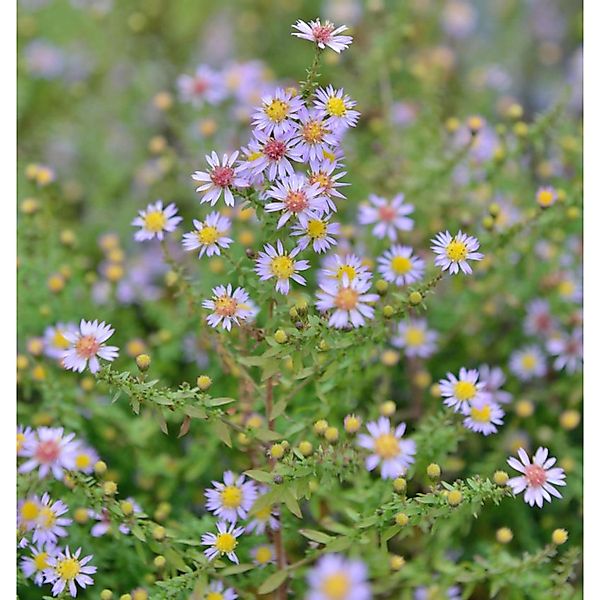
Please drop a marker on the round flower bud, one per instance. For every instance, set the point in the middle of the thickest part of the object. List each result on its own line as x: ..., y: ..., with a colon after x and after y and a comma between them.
x: 320, y: 427
x: 352, y: 423
x: 454, y: 497
x: 452, y: 124
x: 488, y: 222
x: 524, y: 408
x: 387, y: 409
x: 125, y: 597
x: 106, y: 594
x: 332, y: 435
x: 504, y: 535
x: 396, y: 562
x: 243, y: 439
x: 381, y: 286
x: 203, y: 382
x: 390, y: 357
x: 100, y: 467
x: 143, y: 362
x: 521, y: 129
x: 415, y: 298
x: 109, y: 488
x: 494, y: 209
x: 22, y: 362
x: 422, y: 379
x: 560, y: 536
x: 280, y: 336
x: 160, y: 561
x: 400, y: 485
x: 56, y: 283
x: 475, y: 123
x: 277, y: 451
x: 569, y: 419
x: 29, y: 206
x: 388, y: 311
x: 500, y: 477
x: 127, y: 507
x: 401, y: 519
x: 433, y: 471
x: 81, y: 515
x: 159, y: 533
x: 305, y: 448
x: 293, y: 313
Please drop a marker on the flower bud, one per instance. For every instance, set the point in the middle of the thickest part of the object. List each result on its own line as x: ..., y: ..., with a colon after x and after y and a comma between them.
x: 159, y: 533
x: 100, y: 467
x: 500, y: 478
x: 504, y: 535
x: 400, y: 485
x: 305, y: 448
x: 560, y: 536
x: 160, y: 561
x: 143, y: 362
x: 352, y: 423
x: 277, y: 451
x: 109, y: 488
x: 106, y: 594
x: 381, y: 286
x: 433, y: 471
x: 280, y: 336
x: 203, y: 382
x: 332, y: 435
x: 415, y: 298
x: 127, y: 507
x: 388, y: 311
x: 387, y: 409
x: 396, y: 562
x: 454, y: 497
x: 320, y: 426
x: 401, y: 519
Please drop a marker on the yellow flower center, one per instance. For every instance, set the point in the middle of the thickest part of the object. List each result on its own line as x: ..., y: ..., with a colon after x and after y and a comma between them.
x: 316, y: 229
x: 40, y: 561
x: 82, y: 461
x: 401, y: 265
x: 155, y: 221
x: 214, y: 596
x: 282, y: 267
x: 528, y: 362
x: 264, y: 513
x: 225, y: 306
x: 263, y: 554
x: 336, y: 586
x: 68, y: 568
x: 545, y: 198
x: 456, y: 251
x: 277, y: 110
x: 231, y: 496
x: 30, y: 510
x: 255, y: 155
x: 207, y: 235
x: 414, y: 336
x: 347, y: 270
x: 386, y: 445
x: 225, y: 543
x: 20, y: 441
x: 47, y: 518
x: 322, y: 179
x: 59, y: 340
x: 464, y: 390
x: 313, y: 132
x: 481, y: 415
x: 336, y: 107
x: 346, y: 299
x: 566, y: 288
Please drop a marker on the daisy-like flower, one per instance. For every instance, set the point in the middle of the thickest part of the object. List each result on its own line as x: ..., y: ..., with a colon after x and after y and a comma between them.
x: 546, y: 196
x: 55, y: 343
x: 229, y: 306
x: 33, y: 566
x: 538, y: 477
x: 270, y: 155
x: 398, y: 265
x: 87, y: 345
x: 231, y: 499
x: 348, y: 300
x: 336, y: 107
x: 454, y: 252
x: 263, y: 555
x: 336, y: 267
x: 217, y: 591
x: 209, y: 235
x: 313, y: 137
x: 50, y: 524
x: 539, y: 319
x: 49, y: 450
x: 415, y: 338
x: 280, y: 264
x: 324, y: 176
x: 222, y: 542
x: 460, y: 392
x: 493, y: 379
x: 295, y: 197
x: 222, y: 178
x: 66, y: 570
x: 335, y: 577
x: 264, y: 517
x: 28, y: 511
x: 84, y: 458
x: 276, y: 111
x: 568, y: 350
x: 528, y: 363
x: 482, y: 415
x: 388, y: 448
x: 318, y: 232
x: 24, y: 436
x: 323, y: 35
x: 155, y: 221
x: 204, y: 86
x: 389, y: 217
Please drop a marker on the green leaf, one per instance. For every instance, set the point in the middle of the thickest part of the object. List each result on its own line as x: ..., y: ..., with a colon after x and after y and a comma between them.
x: 291, y: 503
x: 235, y: 569
x: 138, y: 532
x: 339, y: 544
x: 316, y: 536
x: 223, y: 432
x: 196, y: 412
x: 262, y: 476
x: 266, y: 435
x: 219, y: 401
x: 272, y: 582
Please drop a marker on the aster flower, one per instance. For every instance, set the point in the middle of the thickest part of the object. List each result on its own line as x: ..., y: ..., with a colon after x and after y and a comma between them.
x: 24, y: 436
x: 50, y: 524
x: 209, y: 235
x: 229, y: 306
x: 323, y: 35
x: 493, y: 379
x: 388, y: 217
x: 528, y: 363
x: 317, y: 231
x: 415, y: 338
x: 223, y: 542
x: 348, y: 300
x: 337, y: 266
x: 33, y: 566
x: 454, y: 252
x: 570, y: 288
x: 217, y: 591
x: 87, y: 345
x: 336, y: 107
x: 222, y: 178
x: 398, y: 265
x: 155, y: 221
x: 546, y: 196
x: 28, y: 510
x: 49, y: 450
x: 263, y: 555
x: 324, y: 176
x: 205, y: 85
x: 231, y: 499
x: 313, y: 137
x: 460, y: 392
x: 539, y: 319
x: 568, y: 350
x: 84, y: 457
x: 482, y: 415
x: 295, y: 197
x: 335, y: 577
x: 266, y: 517
x: 389, y: 450
x: 55, y: 343
x: 270, y: 155
x: 276, y: 111
x: 538, y: 477
x: 280, y: 264
x: 66, y: 570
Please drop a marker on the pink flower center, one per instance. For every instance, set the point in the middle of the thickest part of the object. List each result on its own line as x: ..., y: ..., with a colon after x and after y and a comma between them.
x: 543, y: 322
x: 87, y: 346
x: 225, y: 306
x: 346, y: 299
x: 296, y: 201
x: 47, y: 451
x: 387, y: 213
x: 222, y: 176
x: 200, y: 86
x: 535, y: 475
x: 274, y: 149
x: 322, y: 33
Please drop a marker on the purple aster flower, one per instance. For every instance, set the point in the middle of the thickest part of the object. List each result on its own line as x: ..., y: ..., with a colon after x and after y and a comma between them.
x: 388, y: 217
x: 222, y: 178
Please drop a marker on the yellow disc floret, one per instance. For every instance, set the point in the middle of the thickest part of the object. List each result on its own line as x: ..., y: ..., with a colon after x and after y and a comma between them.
x: 277, y: 110
x: 336, y: 107
x: 336, y: 586
x: 401, y: 265
x: 68, y: 568
x: 225, y: 543
x: 282, y: 267
x: 231, y: 496
x: 464, y: 390
x: 155, y: 221
x: 456, y: 251
x: 386, y: 446
x: 208, y: 235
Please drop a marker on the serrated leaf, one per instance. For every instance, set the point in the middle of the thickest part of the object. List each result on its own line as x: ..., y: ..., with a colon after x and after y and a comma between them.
x: 272, y: 582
